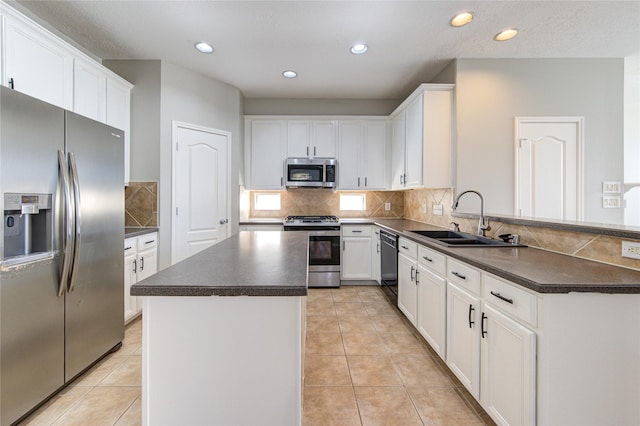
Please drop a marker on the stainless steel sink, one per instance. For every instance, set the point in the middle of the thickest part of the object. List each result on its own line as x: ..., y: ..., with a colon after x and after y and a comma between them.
x: 462, y: 239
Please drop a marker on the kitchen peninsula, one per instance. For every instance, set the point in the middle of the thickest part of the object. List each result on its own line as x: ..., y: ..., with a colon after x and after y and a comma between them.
x: 216, y: 360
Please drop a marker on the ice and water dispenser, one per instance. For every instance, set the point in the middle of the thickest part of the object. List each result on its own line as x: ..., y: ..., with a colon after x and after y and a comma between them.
x: 28, y: 227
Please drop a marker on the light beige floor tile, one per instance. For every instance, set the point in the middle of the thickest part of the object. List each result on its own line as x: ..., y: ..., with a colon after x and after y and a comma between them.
x: 389, y: 324
x: 101, y: 370
x: 374, y: 296
x: 379, y: 308
x: 399, y: 343
x: 386, y: 406
x: 420, y: 370
x: 373, y: 371
x: 132, y: 342
x: 349, y: 308
x: 316, y: 294
x: 356, y: 324
x: 363, y: 344
x: 322, y: 324
x: 56, y: 406
x: 442, y: 406
x: 100, y: 406
x: 324, y: 344
x: 328, y: 406
x: 326, y: 370
x: 129, y: 373
x: 321, y: 307
x: 345, y: 294
x: 133, y: 415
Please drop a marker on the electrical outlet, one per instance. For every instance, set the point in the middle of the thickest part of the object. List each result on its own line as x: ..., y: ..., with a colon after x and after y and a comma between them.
x: 610, y: 201
x: 387, y: 206
x: 631, y: 249
x: 438, y: 209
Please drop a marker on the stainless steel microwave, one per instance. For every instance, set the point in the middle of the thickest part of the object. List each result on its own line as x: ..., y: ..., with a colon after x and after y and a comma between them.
x: 311, y: 173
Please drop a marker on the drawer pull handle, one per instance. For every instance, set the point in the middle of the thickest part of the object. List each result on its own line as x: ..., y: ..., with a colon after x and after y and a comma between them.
x: 427, y: 259
x: 128, y: 248
x: 405, y: 247
x: 150, y: 242
x: 357, y: 231
x: 501, y: 297
x: 482, y: 330
x: 471, y: 309
x: 459, y: 275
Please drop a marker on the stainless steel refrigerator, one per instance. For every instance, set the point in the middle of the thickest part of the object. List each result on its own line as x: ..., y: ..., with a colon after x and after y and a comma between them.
x: 61, y: 262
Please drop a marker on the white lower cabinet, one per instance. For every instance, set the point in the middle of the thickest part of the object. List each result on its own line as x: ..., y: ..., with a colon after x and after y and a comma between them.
x: 463, y: 337
x: 508, y: 369
x: 407, y: 289
x: 140, y: 262
x: 356, y: 253
x: 431, y: 297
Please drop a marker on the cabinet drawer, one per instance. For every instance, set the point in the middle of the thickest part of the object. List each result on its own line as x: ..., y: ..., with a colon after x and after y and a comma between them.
x: 433, y: 260
x: 130, y: 246
x: 356, y: 231
x: 509, y: 298
x: 463, y: 275
x: 408, y: 248
x: 147, y: 241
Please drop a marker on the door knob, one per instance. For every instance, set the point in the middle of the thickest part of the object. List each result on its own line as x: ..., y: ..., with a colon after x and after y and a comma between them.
x: 223, y: 221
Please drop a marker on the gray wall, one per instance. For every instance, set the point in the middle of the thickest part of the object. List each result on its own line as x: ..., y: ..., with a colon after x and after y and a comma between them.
x: 283, y: 106
x: 145, y: 116
x: 491, y: 92
x: 165, y: 92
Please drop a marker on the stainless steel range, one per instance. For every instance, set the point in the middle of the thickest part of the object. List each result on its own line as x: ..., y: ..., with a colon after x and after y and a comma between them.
x: 324, y: 247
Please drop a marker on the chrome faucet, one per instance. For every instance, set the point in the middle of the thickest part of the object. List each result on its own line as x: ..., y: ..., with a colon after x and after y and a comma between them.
x: 481, y: 226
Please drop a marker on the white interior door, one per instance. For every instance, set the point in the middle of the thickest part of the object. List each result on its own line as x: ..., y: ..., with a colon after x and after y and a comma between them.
x: 548, y: 167
x: 200, y: 187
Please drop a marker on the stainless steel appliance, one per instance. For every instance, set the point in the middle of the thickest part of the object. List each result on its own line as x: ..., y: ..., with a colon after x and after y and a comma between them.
x: 324, y: 247
x: 311, y: 173
x: 61, y: 263
x: 389, y: 264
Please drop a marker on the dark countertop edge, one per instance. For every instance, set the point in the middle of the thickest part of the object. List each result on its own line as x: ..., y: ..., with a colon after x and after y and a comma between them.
x: 142, y: 290
x: 517, y: 279
x: 609, y: 230
x: 258, y: 221
x: 136, y: 231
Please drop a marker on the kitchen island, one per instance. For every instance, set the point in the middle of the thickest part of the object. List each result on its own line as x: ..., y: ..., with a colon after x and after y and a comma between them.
x: 223, y: 334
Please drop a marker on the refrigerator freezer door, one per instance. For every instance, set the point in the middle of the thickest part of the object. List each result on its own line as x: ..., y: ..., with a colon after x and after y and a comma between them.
x: 31, y: 313
x: 95, y: 303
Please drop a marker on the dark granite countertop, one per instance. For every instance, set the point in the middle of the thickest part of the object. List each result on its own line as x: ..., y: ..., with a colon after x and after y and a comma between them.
x: 250, y: 263
x: 135, y: 231
x: 538, y: 270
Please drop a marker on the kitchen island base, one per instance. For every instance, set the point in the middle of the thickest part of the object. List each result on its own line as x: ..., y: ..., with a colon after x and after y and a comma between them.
x: 222, y: 360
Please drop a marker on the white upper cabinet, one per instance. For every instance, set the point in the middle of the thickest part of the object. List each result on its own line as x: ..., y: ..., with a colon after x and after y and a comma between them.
x: 362, y: 145
x: 118, y: 114
x: 311, y: 138
x: 90, y: 90
x: 422, y: 138
x: 35, y: 63
x: 265, y: 151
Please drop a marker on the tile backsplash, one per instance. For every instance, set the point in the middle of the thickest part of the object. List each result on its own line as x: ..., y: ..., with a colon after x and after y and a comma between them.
x: 141, y: 204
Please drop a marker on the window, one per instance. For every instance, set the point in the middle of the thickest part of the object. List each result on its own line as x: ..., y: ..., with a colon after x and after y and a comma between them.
x: 267, y: 201
x: 353, y: 202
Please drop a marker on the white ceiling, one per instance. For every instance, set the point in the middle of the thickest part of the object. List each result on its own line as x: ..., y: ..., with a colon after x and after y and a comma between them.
x: 409, y: 41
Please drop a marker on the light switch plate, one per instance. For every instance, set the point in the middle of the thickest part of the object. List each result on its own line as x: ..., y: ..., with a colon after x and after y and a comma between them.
x: 387, y: 206
x: 631, y: 249
x: 437, y: 210
x: 610, y: 201
x: 611, y: 187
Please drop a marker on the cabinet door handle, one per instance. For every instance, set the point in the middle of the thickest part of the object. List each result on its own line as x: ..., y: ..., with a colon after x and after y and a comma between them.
x: 400, y: 179
x: 358, y: 182
x: 412, y: 276
x: 377, y: 247
x: 343, y: 246
x: 281, y: 181
x: 482, y: 330
x: 501, y: 297
x: 458, y: 275
x: 405, y: 247
x: 314, y: 151
x: 11, y: 84
x: 471, y: 321
x: 427, y: 259
x: 417, y: 277
x: 365, y: 181
x: 141, y: 264
x: 307, y: 151
x: 135, y: 266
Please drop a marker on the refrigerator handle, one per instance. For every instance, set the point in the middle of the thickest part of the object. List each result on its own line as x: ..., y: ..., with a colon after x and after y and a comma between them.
x: 76, y: 240
x: 68, y: 234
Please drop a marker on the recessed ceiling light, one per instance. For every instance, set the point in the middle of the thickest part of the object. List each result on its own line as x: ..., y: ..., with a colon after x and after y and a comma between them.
x: 203, y: 47
x: 506, y: 34
x: 359, y: 49
x: 290, y: 74
x: 461, y: 19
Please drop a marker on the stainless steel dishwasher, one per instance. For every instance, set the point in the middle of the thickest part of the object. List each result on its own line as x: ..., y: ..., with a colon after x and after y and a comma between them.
x: 389, y: 264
